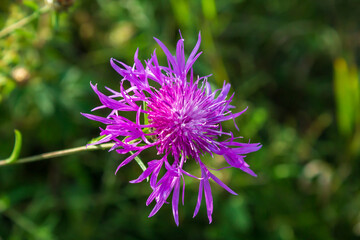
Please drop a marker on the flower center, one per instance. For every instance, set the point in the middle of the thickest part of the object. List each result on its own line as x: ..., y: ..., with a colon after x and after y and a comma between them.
x: 178, y: 118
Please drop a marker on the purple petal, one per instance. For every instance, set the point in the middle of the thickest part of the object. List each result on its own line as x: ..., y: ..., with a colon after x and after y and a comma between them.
x: 122, y: 72
x: 156, y: 208
x: 234, y: 115
x: 103, y: 140
x: 180, y: 57
x: 167, y: 52
x: 248, y: 171
x: 224, y: 91
x: 199, y: 198
x: 155, y: 174
x: 175, y: 201
x: 183, y: 191
x: 191, y: 59
x: 127, y: 160
x: 97, y: 118
x: 223, y: 185
x: 111, y: 103
x: 138, y: 64
x: 143, y: 175
x: 208, y: 198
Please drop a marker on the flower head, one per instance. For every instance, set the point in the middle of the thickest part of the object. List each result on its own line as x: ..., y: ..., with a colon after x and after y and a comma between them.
x: 182, y: 119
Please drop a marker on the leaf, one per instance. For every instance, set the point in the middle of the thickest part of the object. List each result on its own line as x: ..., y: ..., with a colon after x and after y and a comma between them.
x: 346, y: 95
x: 55, y: 20
x: 31, y: 4
x: 17, y: 148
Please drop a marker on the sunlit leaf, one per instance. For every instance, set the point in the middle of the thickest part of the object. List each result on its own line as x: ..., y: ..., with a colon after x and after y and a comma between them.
x: 31, y: 4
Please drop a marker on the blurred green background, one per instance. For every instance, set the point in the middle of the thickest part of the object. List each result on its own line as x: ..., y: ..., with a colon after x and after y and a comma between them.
x: 294, y: 63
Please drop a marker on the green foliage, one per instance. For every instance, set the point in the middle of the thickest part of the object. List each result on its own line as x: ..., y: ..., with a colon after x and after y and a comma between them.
x: 346, y: 85
x: 294, y: 63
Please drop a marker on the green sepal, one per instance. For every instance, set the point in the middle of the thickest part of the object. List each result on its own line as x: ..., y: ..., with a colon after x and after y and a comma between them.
x: 96, y: 139
x: 146, y: 120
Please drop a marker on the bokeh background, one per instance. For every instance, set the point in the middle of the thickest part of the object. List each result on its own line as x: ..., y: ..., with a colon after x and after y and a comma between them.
x: 294, y: 63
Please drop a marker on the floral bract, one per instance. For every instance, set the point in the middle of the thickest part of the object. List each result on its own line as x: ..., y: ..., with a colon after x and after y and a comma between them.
x: 183, y: 119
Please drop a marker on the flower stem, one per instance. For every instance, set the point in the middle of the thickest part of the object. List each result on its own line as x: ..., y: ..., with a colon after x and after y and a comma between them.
x: 59, y: 153
x: 24, y: 21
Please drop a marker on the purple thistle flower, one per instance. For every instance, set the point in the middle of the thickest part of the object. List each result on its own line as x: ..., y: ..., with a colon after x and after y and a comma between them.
x: 183, y: 119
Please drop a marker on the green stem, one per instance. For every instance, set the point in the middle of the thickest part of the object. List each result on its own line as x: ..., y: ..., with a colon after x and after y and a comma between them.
x: 59, y: 153
x: 4, y: 32
x: 140, y: 163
